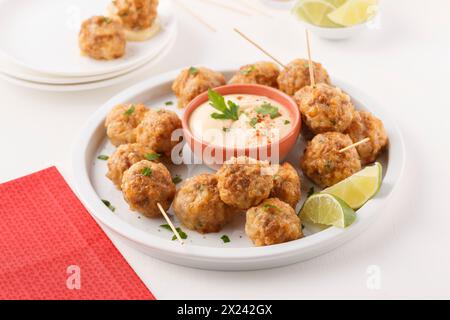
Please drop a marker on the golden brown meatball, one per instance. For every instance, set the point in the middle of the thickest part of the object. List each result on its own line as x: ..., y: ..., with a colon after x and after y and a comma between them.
x: 102, y: 38
x: 199, y: 207
x: 296, y: 76
x: 286, y: 185
x: 155, y: 131
x: 324, y: 164
x: 263, y: 73
x: 244, y: 182
x: 123, y: 158
x: 325, y: 108
x: 272, y: 222
x: 145, y: 185
x: 193, y: 82
x: 366, y: 125
x: 136, y: 14
x: 122, y: 121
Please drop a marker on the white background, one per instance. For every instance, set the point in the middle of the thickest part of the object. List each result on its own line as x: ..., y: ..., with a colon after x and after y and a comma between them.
x: 404, y: 64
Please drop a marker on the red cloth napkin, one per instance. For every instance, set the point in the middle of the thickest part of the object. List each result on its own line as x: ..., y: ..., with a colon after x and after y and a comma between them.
x: 51, y: 248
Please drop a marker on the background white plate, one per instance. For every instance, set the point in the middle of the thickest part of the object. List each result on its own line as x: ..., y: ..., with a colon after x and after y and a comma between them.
x: 48, y: 41
x: 208, y: 251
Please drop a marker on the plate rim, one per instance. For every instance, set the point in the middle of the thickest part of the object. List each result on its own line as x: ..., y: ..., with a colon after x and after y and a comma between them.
x: 307, y: 247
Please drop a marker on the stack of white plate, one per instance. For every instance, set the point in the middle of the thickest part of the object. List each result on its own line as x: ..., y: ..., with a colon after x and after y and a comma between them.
x: 39, y: 45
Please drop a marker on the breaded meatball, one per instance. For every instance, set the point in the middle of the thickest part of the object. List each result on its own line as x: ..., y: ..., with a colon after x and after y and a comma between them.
x: 296, y: 76
x: 366, y: 125
x: 102, y: 38
x: 122, y: 121
x: 123, y: 158
x: 194, y: 81
x: 272, y: 222
x: 263, y: 73
x: 199, y: 207
x: 155, y: 131
x: 244, y: 182
x: 324, y: 164
x: 286, y: 185
x: 145, y: 185
x: 325, y: 108
x: 136, y: 14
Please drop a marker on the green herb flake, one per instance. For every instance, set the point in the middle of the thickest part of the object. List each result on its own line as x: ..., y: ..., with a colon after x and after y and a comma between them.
x: 286, y: 122
x: 130, y: 110
x: 225, y: 129
x: 177, y: 179
x: 147, y: 172
x: 103, y: 157
x: 217, y: 101
x: 225, y: 238
x: 182, y: 234
x: 311, y: 192
x: 193, y: 70
x: 152, y: 156
x: 109, y: 205
x: 248, y: 70
x: 268, y: 206
x: 253, y: 122
x: 165, y: 226
x: 107, y: 20
x: 169, y: 103
x: 268, y: 109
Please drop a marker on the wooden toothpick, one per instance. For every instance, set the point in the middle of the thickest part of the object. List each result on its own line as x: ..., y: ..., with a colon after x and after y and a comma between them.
x: 169, y: 222
x: 259, y: 47
x: 196, y: 16
x: 354, y: 145
x: 311, y: 65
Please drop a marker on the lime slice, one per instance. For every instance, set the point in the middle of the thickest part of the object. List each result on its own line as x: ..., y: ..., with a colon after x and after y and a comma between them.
x: 354, y: 12
x: 337, y: 3
x: 360, y: 187
x: 326, y: 209
x: 315, y: 12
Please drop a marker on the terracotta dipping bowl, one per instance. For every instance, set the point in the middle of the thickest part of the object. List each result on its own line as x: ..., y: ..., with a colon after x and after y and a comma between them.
x: 275, y: 152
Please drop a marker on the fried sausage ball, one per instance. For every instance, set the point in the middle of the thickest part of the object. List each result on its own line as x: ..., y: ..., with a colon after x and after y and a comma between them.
x: 145, y: 185
x: 263, y: 73
x: 366, y: 125
x: 123, y: 158
x: 194, y: 81
x: 199, y: 207
x: 324, y: 164
x: 296, y: 76
x: 272, y: 222
x: 286, y: 185
x: 244, y: 182
x: 102, y: 38
x: 122, y: 121
x: 136, y: 14
x: 155, y: 131
x: 325, y: 108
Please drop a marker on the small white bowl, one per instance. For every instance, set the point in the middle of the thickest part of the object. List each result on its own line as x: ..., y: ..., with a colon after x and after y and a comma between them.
x: 337, y: 33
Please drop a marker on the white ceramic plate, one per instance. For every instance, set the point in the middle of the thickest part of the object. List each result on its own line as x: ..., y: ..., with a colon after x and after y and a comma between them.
x: 42, y: 35
x: 135, y: 72
x: 208, y: 251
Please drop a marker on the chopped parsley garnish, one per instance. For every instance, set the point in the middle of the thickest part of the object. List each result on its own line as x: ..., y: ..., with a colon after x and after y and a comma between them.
x: 102, y: 157
x: 286, y: 122
x: 130, y: 110
x: 107, y: 20
x: 152, y: 156
x: 253, y: 122
x: 177, y: 179
x: 109, y: 205
x: 166, y: 226
x: 217, y: 101
x: 248, y: 70
x: 169, y: 103
x: 306, y: 65
x: 225, y: 129
x: 225, y: 238
x: 268, y: 206
x: 193, y: 70
x: 268, y: 109
x: 147, y: 172
x: 182, y: 234
x: 311, y: 192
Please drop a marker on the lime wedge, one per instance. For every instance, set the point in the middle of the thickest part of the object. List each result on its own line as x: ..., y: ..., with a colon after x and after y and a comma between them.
x: 354, y: 12
x: 360, y: 187
x: 315, y: 12
x: 326, y: 209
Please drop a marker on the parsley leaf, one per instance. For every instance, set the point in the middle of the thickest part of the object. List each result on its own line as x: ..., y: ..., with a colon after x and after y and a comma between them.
x: 102, y: 157
x: 286, y: 122
x: 193, y: 70
x: 182, y: 234
x: 166, y: 226
x: 248, y: 70
x: 169, y: 103
x: 177, y: 179
x: 225, y: 238
x: 109, y: 205
x: 152, y: 156
x: 217, y: 101
x: 268, y: 109
x: 253, y: 122
x: 147, y: 172
x: 268, y: 206
x: 130, y: 110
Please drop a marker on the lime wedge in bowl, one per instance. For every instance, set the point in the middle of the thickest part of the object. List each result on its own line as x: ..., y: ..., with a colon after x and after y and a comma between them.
x: 326, y: 209
x: 315, y: 12
x: 354, y: 12
x: 357, y: 189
